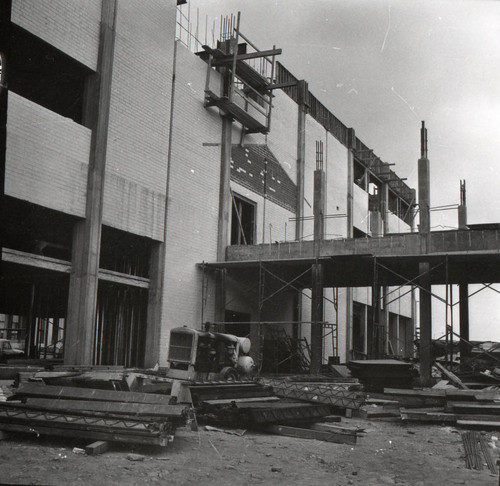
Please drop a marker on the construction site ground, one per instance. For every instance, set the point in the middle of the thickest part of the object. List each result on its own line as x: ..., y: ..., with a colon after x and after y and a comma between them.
x: 391, y: 452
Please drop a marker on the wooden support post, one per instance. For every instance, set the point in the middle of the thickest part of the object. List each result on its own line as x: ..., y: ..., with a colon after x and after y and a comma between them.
x: 97, y: 448
x: 82, y: 302
x: 465, y: 348
x: 425, y: 306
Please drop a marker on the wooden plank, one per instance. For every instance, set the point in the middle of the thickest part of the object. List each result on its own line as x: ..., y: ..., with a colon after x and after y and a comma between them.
x: 139, y: 409
x: 337, y: 429
x: 425, y: 392
x: 331, y: 418
x: 311, y: 434
x: 220, y: 61
x: 377, y: 413
x: 474, y: 407
x: 381, y: 402
x: 451, y: 376
x: 123, y: 278
x: 96, y: 448
x: 36, y: 390
x: 227, y: 401
x: 479, y: 423
x: 479, y: 395
x: 38, y: 261
x: 427, y: 415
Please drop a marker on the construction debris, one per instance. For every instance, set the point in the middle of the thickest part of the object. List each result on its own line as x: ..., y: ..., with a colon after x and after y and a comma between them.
x: 476, y: 449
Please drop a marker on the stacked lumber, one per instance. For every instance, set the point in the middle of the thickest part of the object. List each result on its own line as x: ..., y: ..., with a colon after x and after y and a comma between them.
x: 249, y: 404
x: 93, y: 414
x: 480, y: 408
x: 325, y: 432
x: 476, y: 449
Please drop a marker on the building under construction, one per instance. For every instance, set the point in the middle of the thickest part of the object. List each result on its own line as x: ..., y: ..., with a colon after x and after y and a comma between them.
x: 153, y: 178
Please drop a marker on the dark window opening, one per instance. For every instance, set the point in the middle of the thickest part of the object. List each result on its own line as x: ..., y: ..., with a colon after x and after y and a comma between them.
x: 44, y: 75
x: 393, y: 203
x: 33, y: 307
x: 34, y: 229
x: 358, y: 330
x: 357, y: 233
x: 360, y: 175
x: 242, y: 222
x: 399, y: 207
x: 238, y: 323
x: 124, y: 252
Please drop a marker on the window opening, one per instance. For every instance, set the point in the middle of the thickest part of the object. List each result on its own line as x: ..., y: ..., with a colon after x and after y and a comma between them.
x: 242, y: 222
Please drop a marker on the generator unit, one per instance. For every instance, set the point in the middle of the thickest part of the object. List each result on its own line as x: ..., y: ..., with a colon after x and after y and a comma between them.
x: 208, y: 356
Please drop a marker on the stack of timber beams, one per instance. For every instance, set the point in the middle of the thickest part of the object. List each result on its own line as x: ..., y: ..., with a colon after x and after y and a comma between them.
x: 468, y: 408
x: 249, y: 404
x: 93, y: 414
x: 254, y: 405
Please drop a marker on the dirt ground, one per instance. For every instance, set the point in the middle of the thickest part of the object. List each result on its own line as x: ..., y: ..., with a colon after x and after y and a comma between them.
x: 390, y: 453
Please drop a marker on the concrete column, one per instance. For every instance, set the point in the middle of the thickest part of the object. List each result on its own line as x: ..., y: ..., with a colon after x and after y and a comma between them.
x: 424, y: 267
x: 225, y: 198
x: 351, y: 144
x: 462, y: 208
x: 82, y: 302
x: 384, y: 207
x: 425, y: 307
x: 317, y: 315
x: 317, y: 306
x: 303, y: 90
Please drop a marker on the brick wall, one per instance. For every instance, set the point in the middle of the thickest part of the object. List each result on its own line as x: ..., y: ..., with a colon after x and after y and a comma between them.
x: 282, y: 139
x: 47, y: 157
x: 136, y: 166
x: 70, y: 25
x: 193, y: 199
x: 272, y: 222
x: 396, y: 225
x: 360, y: 216
x: 336, y: 188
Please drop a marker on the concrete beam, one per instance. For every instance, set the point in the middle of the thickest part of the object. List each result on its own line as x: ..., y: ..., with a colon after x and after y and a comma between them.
x: 404, y: 245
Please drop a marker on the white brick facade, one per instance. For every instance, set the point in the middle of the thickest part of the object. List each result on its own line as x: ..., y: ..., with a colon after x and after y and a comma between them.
x: 47, y: 157
x: 71, y: 26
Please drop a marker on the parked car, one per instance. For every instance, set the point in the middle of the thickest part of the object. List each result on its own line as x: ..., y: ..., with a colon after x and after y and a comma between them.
x: 8, y: 352
x: 54, y: 350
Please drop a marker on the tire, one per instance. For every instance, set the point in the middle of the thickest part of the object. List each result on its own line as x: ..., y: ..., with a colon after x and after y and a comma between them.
x: 229, y: 374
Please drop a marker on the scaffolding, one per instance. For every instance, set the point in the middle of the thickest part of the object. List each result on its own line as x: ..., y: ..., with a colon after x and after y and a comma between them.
x: 248, y: 74
x: 292, y: 351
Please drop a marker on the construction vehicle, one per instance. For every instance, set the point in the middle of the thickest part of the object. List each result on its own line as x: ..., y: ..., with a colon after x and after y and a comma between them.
x: 208, y: 356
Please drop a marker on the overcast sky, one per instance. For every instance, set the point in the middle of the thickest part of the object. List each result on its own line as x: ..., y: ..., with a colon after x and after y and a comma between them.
x: 384, y: 66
